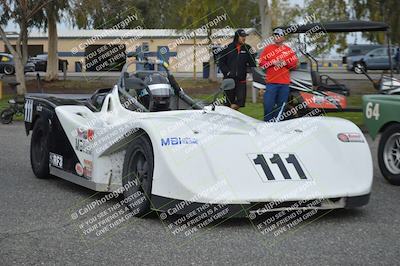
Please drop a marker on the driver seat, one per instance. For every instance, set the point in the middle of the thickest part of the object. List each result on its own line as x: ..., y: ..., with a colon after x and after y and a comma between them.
x: 321, y: 82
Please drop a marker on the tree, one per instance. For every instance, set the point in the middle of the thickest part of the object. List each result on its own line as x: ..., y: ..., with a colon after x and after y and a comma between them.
x: 150, y: 14
x: 328, y: 10
x: 24, y: 13
x: 273, y: 13
x: 199, y: 13
x: 196, y: 14
x: 179, y: 14
x: 265, y: 18
x: 160, y: 14
x: 53, y: 12
x: 283, y: 13
x: 99, y: 14
x: 384, y: 10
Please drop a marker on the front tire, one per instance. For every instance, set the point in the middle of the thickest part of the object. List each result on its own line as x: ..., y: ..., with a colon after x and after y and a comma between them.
x: 359, y: 67
x: 9, y: 70
x: 137, y: 175
x: 40, y: 149
x: 6, y: 116
x: 389, y: 154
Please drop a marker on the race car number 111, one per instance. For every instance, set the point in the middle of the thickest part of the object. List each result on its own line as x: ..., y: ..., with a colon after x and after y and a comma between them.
x: 273, y: 166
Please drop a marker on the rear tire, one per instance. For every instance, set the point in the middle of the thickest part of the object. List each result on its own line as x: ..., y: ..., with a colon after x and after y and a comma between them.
x: 6, y: 116
x: 389, y: 154
x: 40, y: 149
x: 137, y: 175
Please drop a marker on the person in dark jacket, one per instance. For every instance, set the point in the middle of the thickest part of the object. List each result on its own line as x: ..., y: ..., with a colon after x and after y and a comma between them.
x: 397, y: 60
x: 233, y: 62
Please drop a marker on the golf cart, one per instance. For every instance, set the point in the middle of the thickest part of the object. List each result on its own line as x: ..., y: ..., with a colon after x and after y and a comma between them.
x: 386, y: 84
x: 326, y: 92
x: 310, y: 87
x: 320, y: 82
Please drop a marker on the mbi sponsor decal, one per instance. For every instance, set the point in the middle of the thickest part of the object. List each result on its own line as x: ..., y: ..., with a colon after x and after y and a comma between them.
x: 177, y: 141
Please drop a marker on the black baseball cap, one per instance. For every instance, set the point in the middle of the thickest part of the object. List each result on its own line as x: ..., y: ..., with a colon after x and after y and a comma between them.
x: 241, y: 33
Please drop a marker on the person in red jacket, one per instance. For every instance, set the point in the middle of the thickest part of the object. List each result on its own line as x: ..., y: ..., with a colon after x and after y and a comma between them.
x: 277, y: 60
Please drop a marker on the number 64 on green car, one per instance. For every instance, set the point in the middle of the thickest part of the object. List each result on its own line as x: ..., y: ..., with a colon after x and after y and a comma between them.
x: 382, y: 116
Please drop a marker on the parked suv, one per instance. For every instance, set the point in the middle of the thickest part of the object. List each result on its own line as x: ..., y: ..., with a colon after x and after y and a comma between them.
x: 355, y: 50
x: 377, y: 59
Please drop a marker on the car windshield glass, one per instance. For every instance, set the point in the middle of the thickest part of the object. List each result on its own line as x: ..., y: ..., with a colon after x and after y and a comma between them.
x: 153, y: 90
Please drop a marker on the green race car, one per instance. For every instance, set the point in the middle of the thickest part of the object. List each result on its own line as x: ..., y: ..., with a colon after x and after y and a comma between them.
x: 382, y: 115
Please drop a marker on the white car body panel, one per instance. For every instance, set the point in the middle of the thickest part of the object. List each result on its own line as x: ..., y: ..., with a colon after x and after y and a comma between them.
x: 226, y: 142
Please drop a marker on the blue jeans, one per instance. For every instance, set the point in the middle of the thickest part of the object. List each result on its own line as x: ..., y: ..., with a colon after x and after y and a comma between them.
x: 275, y: 94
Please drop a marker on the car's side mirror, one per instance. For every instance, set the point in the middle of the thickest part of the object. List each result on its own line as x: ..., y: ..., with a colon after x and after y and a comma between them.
x: 371, y: 55
x: 227, y: 84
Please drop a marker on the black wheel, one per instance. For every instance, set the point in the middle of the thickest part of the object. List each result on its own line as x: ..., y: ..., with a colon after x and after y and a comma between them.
x: 9, y: 70
x: 137, y: 175
x: 360, y: 68
x: 40, y: 148
x: 389, y: 154
x: 6, y: 116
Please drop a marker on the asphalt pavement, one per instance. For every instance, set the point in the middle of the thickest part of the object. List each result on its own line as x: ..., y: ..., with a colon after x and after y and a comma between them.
x: 36, y: 227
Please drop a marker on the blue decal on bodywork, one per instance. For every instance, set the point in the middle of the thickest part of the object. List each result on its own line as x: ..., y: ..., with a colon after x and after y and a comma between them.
x: 177, y: 141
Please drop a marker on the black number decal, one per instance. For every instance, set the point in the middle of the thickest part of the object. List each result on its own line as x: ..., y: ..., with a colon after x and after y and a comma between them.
x: 261, y: 161
x: 276, y: 159
x: 293, y: 160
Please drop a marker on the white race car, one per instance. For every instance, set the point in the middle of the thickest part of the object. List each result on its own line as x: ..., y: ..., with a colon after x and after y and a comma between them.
x: 147, y: 139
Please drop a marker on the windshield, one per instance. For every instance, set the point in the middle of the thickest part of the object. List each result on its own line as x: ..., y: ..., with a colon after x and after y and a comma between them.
x: 158, y: 84
x: 154, y: 91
